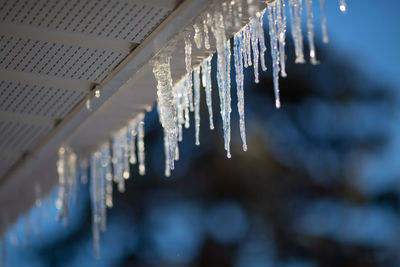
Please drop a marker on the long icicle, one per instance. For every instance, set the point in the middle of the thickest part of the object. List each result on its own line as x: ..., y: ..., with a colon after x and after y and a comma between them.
x: 238, y: 58
x: 274, y: 52
x: 223, y: 76
x: 166, y: 101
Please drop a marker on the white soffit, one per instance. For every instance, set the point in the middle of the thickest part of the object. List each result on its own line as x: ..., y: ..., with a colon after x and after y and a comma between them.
x: 52, y: 56
x: 44, y: 82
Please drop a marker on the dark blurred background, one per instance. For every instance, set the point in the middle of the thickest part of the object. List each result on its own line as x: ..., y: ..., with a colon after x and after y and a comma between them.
x: 319, y: 185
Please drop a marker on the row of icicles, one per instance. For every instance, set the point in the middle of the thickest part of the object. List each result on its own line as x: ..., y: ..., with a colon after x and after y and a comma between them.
x: 111, y: 162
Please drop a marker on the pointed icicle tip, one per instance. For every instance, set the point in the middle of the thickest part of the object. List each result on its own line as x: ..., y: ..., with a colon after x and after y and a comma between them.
x: 277, y: 103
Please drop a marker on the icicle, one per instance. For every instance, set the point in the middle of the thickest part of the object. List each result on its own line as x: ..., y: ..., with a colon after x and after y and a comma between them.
x: 97, y: 93
x: 223, y: 76
x: 281, y: 28
x: 238, y: 58
x: 247, y: 46
x: 261, y: 40
x: 343, y: 6
x: 118, y: 162
x: 180, y: 104
x: 206, y: 81
x: 166, y: 100
x: 167, y: 170
x: 324, y: 28
x: 106, y: 164
x: 188, y: 61
x: 95, y: 201
x: 196, y: 80
x: 274, y: 51
x: 310, y: 32
x: 206, y: 35
x: 296, y: 10
x: 62, y: 182
x: 177, y: 153
x: 125, y: 149
x: 186, y: 94
x: 254, y: 45
x: 101, y: 190
x: 140, y: 144
x: 66, y: 168
x: 131, y: 138
x: 198, y: 37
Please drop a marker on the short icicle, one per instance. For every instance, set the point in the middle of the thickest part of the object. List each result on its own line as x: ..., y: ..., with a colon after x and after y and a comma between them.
x: 281, y: 28
x: 310, y: 32
x: 95, y: 202
x: 324, y: 28
x: 140, y: 144
x: 118, y: 162
x: 189, y: 69
x: 196, y: 81
x: 106, y: 162
x: 296, y: 9
x: 66, y: 168
x: 206, y: 81
x: 254, y: 45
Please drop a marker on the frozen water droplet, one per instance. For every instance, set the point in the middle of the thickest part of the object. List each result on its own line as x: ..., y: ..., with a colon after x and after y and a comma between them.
x: 343, y: 6
x: 97, y: 93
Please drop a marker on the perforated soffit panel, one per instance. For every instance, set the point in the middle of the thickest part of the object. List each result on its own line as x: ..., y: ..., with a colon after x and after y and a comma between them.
x: 53, y: 53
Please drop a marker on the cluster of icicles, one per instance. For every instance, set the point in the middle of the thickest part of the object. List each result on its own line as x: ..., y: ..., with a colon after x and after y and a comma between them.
x: 111, y: 162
